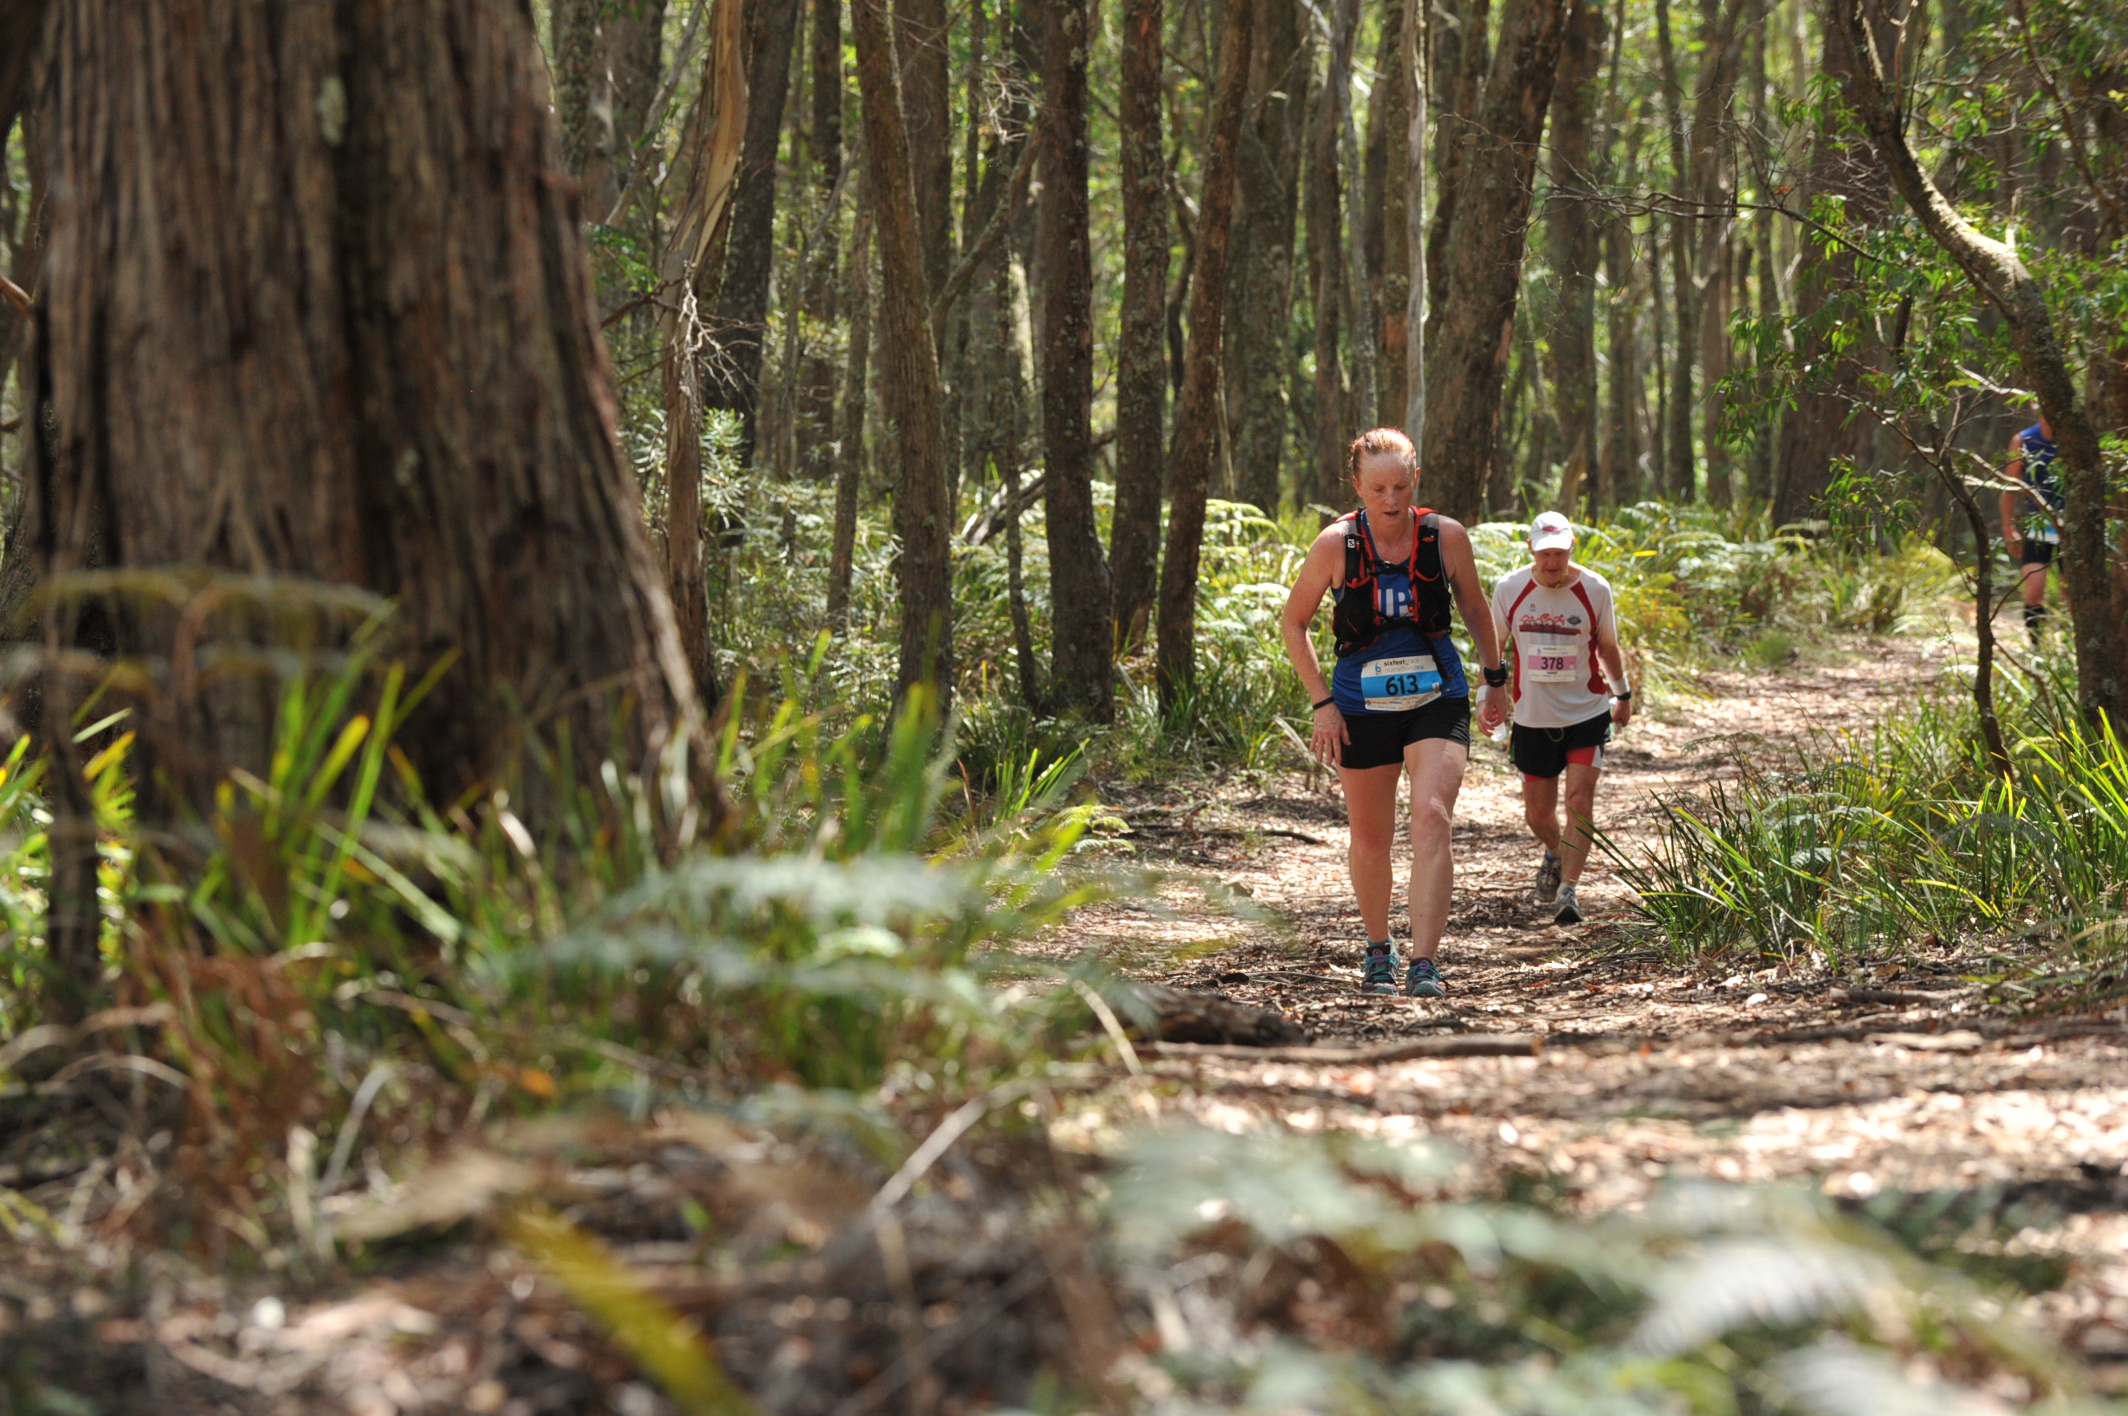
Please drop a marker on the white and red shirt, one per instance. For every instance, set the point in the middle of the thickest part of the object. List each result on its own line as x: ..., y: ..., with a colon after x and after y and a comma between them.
x: 1555, y: 632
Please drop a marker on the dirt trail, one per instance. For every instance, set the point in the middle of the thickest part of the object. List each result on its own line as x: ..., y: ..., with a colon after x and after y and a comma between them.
x: 1649, y: 1068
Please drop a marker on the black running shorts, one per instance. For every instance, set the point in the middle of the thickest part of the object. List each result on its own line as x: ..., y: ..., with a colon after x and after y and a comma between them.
x: 1542, y: 752
x: 1379, y: 739
x: 2037, y: 552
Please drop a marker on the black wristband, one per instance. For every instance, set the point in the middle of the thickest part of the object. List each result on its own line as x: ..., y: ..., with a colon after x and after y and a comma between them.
x: 1496, y: 678
x: 1326, y: 703
x: 1623, y: 694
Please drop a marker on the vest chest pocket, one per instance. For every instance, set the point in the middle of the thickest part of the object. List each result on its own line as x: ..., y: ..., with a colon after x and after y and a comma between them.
x: 1400, y: 684
x: 1547, y: 659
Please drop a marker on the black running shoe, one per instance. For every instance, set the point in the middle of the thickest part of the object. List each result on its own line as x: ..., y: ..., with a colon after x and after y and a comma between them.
x: 1423, y: 980
x: 1378, y: 972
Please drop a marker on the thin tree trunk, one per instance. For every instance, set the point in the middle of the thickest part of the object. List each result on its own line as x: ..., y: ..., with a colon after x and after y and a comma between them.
x: 1081, y: 605
x: 1998, y: 274
x: 1571, y: 222
x: 849, y: 450
x: 1467, y: 343
x: 1196, y: 432
x: 365, y: 354
x: 1326, y: 251
x: 1016, y: 328
x: 706, y: 171
x: 910, y: 384
x: 1417, y: 27
x: 1260, y: 293
x: 1141, y: 372
x: 734, y: 381
x: 1389, y: 181
x: 1616, y: 457
x: 816, y: 395
x: 1362, y: 282
x: 1680, y: 478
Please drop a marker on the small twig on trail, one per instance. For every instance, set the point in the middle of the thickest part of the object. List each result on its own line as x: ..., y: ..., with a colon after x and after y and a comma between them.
x: 1112, y: 1025
x: 1482, y: 1045
x: 1909, y: 996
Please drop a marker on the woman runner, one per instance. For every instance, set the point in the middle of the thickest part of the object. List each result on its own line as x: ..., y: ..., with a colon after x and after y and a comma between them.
x: 1562, y: 623
x: 1397, y: 700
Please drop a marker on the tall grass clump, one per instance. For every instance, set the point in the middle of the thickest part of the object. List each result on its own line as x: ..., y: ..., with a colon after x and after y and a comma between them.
x: 1860, y: 844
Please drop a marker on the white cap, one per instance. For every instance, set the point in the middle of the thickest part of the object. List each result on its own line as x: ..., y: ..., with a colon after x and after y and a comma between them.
x: 1551, y: 532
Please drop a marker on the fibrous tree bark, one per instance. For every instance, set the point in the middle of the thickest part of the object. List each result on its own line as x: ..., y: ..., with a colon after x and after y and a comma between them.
x: 1572, y: 230
x: 1141, y: 366
x: 606, y: 68
x: 1196, y: 419
x: 926, y: 91
x: 705, y: 170
x: 1259, y: 316
x: 1473, y: 320
x: 913, y: 439
x: 1083, y: 627
x: 2003, y: 279
x: 358, y: 346
x: 741, y: 321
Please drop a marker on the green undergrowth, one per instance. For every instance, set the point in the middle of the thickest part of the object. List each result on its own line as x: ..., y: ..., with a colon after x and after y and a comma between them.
x: 328, y: 951
x: 1697, y: 587
x: 1859, y: 845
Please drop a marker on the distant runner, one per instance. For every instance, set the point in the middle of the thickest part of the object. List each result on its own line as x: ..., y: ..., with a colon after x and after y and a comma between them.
x: 1562, y: 624
x: 1397, y: 700
x: 2031, y: 516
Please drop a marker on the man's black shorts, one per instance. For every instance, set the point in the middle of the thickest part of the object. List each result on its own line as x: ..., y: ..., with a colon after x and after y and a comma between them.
x: 1542, y: 752
x: 2037, y: 552
x: 1379, y: 739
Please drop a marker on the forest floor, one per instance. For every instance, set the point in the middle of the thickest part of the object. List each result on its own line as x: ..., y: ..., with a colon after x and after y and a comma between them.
x: 825, y: 1299
x: 1892, y: 1079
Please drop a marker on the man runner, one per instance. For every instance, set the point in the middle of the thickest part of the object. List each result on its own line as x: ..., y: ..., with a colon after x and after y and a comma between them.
x: 2031, y: 516
x: 1562, y: 624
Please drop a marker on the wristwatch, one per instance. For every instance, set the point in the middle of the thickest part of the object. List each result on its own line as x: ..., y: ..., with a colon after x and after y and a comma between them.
x: 1623, y: 694
x: 1496, y: 677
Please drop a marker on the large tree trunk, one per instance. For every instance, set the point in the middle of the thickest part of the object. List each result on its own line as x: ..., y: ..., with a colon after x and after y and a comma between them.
x: 1822, y: 427
x: 734, y: 376
x: 1260, y: 286
x: 1196, y: 420
x: 1083, y: 628
x: 1571, y: 220
x: 1326, y: 251
x: 360, y: 348
x: 2003, y: 279
x: 1481, y: 266
x: 914, y: 438
x: 1141, y: 370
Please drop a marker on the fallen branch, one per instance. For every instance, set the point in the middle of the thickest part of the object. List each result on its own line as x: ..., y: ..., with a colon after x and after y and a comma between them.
x: 1483, y: 1045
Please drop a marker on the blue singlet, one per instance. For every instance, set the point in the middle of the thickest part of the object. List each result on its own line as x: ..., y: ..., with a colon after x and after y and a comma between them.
x: 1401, y: 641
x: 2040, y: 453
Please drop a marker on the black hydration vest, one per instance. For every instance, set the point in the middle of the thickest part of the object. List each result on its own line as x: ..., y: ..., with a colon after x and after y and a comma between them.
x: 1358, y: 621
